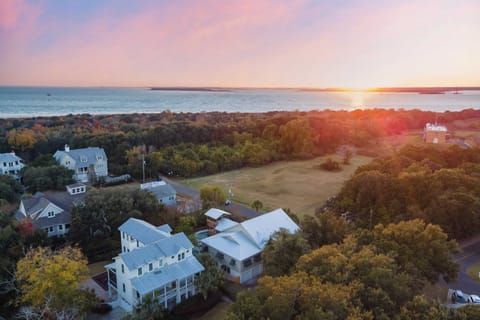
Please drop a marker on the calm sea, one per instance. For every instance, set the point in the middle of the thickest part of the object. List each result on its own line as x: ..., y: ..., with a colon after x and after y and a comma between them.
x: 53, y: 101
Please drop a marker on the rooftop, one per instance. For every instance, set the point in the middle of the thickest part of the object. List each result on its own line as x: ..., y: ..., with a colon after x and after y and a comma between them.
x: 162, y: 248
x: 435, y: 127
x: 216, y: 213
x: 160, y: 277
x: 144, y: 231
x: 8, y: 157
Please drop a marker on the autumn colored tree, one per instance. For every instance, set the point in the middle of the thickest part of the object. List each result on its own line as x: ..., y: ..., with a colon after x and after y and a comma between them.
x: 212, y: 196
x: 282, y: 252
x: 53, y: 276
x: 420, y: 249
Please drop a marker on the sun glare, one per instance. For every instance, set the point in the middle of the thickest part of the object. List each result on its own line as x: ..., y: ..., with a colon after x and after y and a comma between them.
x: 357, y: 98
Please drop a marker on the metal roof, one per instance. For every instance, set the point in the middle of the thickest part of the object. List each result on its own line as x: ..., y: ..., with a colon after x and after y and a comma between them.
x: 248, y: 238
x: 261, y: 228
x: 9, y: 157
x: 154, y: 251
x: 216, y: 213
x: 165, y: 228
x: 234, y: 244
x: 143, y: 231
x: 224, y: 224
x: 151, y: 281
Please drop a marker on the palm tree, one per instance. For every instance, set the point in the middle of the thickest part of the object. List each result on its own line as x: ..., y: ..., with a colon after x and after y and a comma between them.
x: 257, y: 205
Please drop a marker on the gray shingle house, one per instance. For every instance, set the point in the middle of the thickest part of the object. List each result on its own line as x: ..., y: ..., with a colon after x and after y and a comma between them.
x: 51, y: 211
x: 163, y: 191
x: 87, y: 163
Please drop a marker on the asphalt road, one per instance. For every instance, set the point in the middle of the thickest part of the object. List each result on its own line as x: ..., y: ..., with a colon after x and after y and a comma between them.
x: 470, y: 254
x: 234, y: 208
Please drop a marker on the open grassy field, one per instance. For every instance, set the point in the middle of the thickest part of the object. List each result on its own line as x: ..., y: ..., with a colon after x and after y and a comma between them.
x: 297, y: 185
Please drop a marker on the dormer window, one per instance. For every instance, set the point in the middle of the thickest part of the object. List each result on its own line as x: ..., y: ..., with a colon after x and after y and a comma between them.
x: 99, y: 157
x: 150, y: 266
x: 83, y: 159
x: 50, y: 214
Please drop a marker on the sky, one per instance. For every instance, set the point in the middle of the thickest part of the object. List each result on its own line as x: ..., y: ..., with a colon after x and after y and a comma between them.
x: 240, y: 43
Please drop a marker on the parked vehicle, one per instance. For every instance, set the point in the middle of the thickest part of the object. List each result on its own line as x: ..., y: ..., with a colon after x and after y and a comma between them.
x: 458, y: 297
x: 473, y: 298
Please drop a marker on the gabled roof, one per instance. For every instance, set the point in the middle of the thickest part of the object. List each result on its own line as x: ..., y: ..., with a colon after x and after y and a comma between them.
x: 89, y: 154
x: 143, y: 231
x: 235, y: 244
x: 9, y: 157
x: 224, y: 224
x: 40, y: 201
x: 162, y: 191
x: 216, y: 213
x: 154, y: 251
x: 158, y: 278
x: 261, y: 228
x: 248, y: 238
x: 165, y: 228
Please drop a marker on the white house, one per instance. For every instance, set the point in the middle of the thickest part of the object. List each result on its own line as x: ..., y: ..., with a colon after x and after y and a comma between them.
x: 11, y: 164
x: 237, y: 247
x: 163, y: 191
x: 86, y: 162
x: 152, y: 262
x: 51, y: 211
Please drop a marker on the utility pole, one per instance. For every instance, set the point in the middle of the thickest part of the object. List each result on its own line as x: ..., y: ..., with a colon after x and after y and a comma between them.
x: 143, y: 167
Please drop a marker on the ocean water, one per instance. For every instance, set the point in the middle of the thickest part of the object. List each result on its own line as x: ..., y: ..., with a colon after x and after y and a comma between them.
x: 56, y: 101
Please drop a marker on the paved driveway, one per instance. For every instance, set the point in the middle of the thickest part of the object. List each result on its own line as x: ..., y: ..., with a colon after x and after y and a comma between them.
x: 235, y: 208
x: 470, y: 254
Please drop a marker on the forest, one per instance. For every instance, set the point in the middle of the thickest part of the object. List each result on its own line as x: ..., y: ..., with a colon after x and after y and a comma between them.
x: 362, y: 246
x: 195, y: 144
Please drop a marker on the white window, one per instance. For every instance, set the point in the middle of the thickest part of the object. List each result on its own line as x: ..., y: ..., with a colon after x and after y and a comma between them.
x: 140, y: 271
x: 60, y: 227
x: 123, y: 235
x: 74, y: 190
x: 160, y: 262
x: 124, y: 249
x: 138, y: 245
x: 123, y: 287
x: 67, y: 163
x: 123, y: 268
x: 99, y: 157
x: 51, y: 214
x: 50, y: 229
x: 150, y: 266
x: 83, y: 159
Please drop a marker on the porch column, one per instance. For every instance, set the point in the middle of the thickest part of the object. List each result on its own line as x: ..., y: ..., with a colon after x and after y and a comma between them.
x: 165, y: 296
x: 108, y: 282
x: 178, y: 289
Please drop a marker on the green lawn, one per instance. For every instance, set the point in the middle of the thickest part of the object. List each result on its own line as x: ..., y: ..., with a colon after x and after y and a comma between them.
x: 473, y: 271
x: 297, y: 185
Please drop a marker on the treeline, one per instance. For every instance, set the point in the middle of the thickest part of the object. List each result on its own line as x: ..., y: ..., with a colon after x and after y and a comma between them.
x: 440, y: 186
x: 189, y: 144
x: 366, y: 274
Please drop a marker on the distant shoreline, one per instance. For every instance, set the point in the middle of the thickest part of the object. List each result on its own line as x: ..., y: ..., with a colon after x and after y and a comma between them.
x: 190, y: 89
x: 419, y: 90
